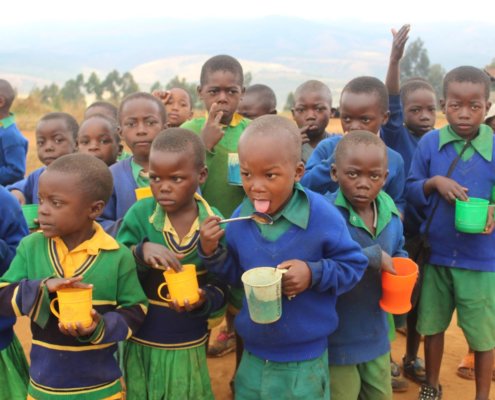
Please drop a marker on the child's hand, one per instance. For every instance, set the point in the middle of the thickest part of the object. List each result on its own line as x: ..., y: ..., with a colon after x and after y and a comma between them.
x: 210, y: 234
x: 297, y: 278
x: 189, y: 307
x: 387, y: 264
x: 304, y: 135
x: 19, y: 196
x: 163, y: 95
x: 78, y: 329
x: 490, y: 223
x: 399, y: 42
x: 213, y: 132
x: 159, y: 257
x: 447, y: 188
x: 54, y: 284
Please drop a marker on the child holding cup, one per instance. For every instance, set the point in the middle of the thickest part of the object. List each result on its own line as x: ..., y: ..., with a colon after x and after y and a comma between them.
x: 72, y: 251
x: 309, y: 239
x: 163, y: 232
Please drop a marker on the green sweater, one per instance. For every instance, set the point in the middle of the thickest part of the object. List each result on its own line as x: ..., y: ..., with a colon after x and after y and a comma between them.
x: 217, y: 191
x: 65, y: 367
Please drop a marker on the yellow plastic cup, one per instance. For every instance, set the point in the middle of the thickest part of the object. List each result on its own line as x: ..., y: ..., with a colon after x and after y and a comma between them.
x: 181, y: 285
x: 75, y: 306
x: 143, y: 192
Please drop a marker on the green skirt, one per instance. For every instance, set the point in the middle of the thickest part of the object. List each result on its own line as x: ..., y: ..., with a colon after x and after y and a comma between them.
x: 14, y: 372
x: 154, y: 374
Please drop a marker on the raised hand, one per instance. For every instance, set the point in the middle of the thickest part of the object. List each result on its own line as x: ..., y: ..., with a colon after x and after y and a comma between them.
x: 213, y: 132
x: 399, y: 42
x: 210, y: 234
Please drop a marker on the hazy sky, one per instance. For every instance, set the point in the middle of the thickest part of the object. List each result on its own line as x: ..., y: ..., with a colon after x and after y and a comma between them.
x: 394, y: 12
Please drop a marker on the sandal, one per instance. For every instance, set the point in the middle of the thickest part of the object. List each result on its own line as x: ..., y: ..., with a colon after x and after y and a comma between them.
x: 394, y: 369
x: 414, y: 370
x: 466, y: 368
x: 428, y: 392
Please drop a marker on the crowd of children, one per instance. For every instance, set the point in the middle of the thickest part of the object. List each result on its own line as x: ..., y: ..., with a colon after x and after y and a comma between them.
x: 340, y: 207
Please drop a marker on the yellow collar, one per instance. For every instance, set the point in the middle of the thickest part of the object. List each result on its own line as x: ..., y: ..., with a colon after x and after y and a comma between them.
x: 99, y: 241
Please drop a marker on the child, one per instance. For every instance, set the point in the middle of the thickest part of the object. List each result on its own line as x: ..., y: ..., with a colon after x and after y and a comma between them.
x: 290, y: 353
x: 14, y: 370
x: 141, y: 117
x: 56, y: 136
x: 221, y: 88
x: 363, y: 106
x: 74, y: 251
x: 412, y: 114
x: 460, y: 271
x: 258, y: 100
x: 102, y: 108
x: 490, y: 117
x: 312, y: 112
x: 178, y: 104
x: 164, y: 232
x: 13, y: 145
x: 360, y: 350
x: 99, y: 136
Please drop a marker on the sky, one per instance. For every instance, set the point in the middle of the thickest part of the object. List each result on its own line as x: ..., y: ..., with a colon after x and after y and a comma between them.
x: 394, y: 12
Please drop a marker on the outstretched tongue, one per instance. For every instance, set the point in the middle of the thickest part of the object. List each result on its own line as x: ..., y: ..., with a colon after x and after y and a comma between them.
x: 262, y: 206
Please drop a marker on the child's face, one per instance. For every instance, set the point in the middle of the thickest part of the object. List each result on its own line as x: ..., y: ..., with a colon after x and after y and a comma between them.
x: 64, y: 210
x: 269, y: 170
x: 420, y: 111
x: 251, y: 107
x: 465, y: 107
x: 361, y: 111
x: 53, y: 140
x: 178, y: 107
x: 141, y: 121
x: 174, y: 178
x: 224, y: 89
x: 361, y: 174
x: 95, y: 137
x: 313, y: 110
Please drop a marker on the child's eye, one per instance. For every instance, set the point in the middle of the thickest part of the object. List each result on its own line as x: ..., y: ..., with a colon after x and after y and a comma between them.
x: 352, y: 174
x: 151, y: 122
x: 212, y: 91
x: 154, y: 178
x: 233, y: 91
x: 321, y: 109
x: 475, y: 107
x: 83, y: 142
x: 56, y: 203
x: 365, y: 120
x: 375, y: 177
x: 177, y: 179
x: 271, y: 175
x: 245, y: 174
x: 40, y: 143
x: 129, y: 124
x: 59, y: 140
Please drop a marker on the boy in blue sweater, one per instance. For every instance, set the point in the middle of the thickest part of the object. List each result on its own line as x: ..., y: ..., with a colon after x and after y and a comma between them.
x: 141, y: 117
x: 363, y: 106
x: 310, y: 240
x: 13, y: 145
x: 360, y: 350
x: 56, y: 136
x: 460, y: 272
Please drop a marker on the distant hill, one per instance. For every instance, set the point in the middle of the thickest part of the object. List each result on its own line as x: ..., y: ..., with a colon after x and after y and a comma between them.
x: 279, y: 51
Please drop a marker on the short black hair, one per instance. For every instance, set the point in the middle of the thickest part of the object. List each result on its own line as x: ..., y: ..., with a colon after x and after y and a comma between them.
x: 314, y: 86
x: 95, y: 179
x: 467, y: 73
x: 112, y: 110
x: 265, y: 94
x: 7, y: 92
x: 221, y: 62
x: 112, y: 124
x: 69, y: 120
x: 177, y: 140
x: 369, y: 84
x: 354, y: 138
x: 411, y: 85
x: 145, y: 96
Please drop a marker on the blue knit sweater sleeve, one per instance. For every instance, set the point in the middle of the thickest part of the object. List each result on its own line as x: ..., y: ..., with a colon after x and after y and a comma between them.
x: 396, y: 181
x: 391, y: 132
x: 13, y: 153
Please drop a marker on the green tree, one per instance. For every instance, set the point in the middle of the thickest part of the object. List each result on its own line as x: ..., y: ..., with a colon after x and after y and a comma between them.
x: 188, y: 87
x: 248, y: 78
x: 435, y: 77
x: 50, y: 95
x: 71, y: 91
x: 111, y: 85
x: 128, y: 85
x: 415, y: 61
x: 289, y: 103
x: 94, y: 86
x: 156, y: 86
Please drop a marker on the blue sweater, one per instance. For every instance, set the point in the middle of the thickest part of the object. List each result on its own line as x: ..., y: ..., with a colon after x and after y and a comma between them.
x: 362, y: 334
x: 336, y: 263
x: 448, y: 246
x: 29, y: 186
x: 13, y: 228
x: 123, y: 196
x: 13, y: 151
x: 317, y: 175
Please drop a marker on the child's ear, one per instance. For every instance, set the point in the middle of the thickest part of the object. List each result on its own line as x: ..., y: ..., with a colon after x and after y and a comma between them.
x: 198, y: 89
x: 299, y: 171
x: 333, y: 172
x: 385, y: 177
x: 121, y: 149
x: 203, y: 174
x: 488, y: 106
x: 2, y: 101
x: 386, y: 116
x: 97, y: 208
x: 442, y: 105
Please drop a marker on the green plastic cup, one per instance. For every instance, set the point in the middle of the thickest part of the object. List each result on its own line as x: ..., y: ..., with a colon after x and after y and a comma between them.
x: 471, y: 215
x: 30, y: 212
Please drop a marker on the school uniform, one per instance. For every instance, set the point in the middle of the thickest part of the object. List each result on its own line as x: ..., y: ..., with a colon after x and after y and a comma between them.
x: 13, y: 151
x: 29, y: 186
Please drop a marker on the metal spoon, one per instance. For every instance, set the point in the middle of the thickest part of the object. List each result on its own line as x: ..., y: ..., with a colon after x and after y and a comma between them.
x: 259, y: 217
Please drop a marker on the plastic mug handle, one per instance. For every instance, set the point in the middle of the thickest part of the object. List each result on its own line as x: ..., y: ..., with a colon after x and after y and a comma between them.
x: 52, y: 307
x: 159, y: 291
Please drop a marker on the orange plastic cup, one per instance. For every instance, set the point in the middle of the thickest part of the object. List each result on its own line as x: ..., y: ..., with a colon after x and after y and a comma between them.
x: 181, y: 285
x: 75, y: 306
x: 143, y: 192
x: 397, y: 289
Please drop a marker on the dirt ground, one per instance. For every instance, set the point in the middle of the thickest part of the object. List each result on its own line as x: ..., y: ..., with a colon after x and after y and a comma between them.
x: 221, y: 369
